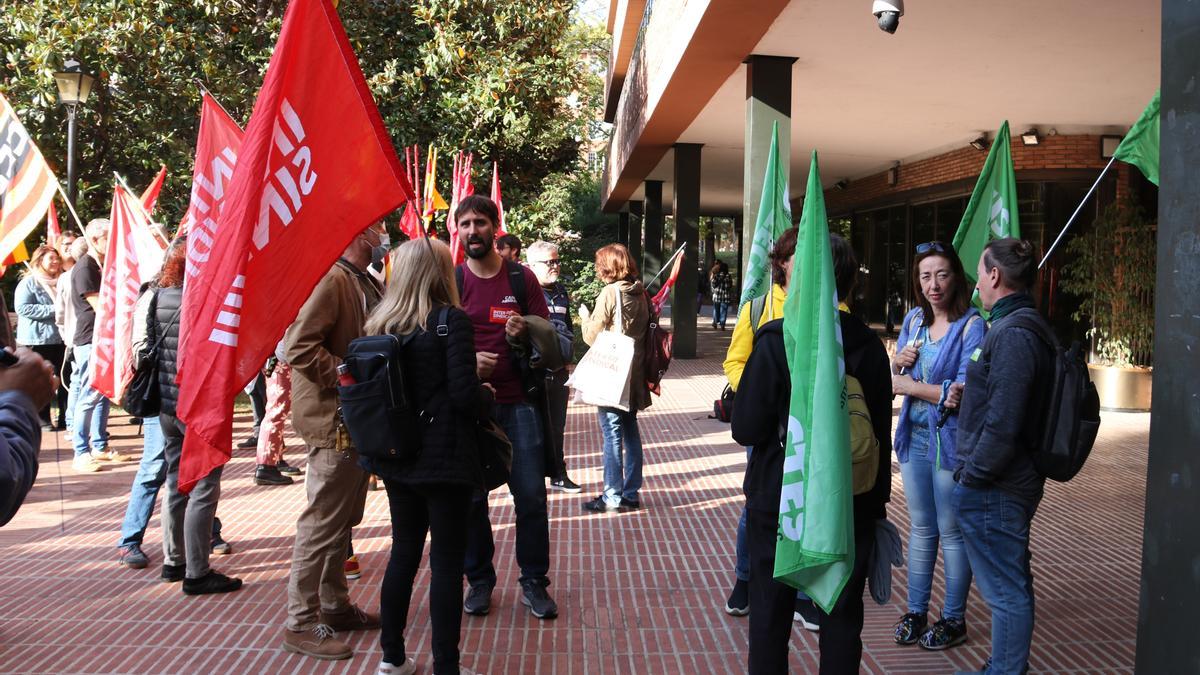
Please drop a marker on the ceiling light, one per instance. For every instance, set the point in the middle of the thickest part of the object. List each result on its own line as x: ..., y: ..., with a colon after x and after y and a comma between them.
x: 1030, y: 137
x: 841, y: 184
x: 980, y: 143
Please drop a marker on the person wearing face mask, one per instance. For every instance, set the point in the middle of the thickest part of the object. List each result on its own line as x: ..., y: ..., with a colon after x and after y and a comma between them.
x: 318, y: 597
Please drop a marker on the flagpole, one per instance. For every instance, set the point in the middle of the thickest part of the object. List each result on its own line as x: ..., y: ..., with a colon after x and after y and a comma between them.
x: 205, y: 90
x: 149, y: 221
x: 1077, y: 210
x: 667, y: 264
x: 70, y: 206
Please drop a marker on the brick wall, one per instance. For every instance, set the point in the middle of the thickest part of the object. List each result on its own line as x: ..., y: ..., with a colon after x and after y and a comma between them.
x: 1053, y: 152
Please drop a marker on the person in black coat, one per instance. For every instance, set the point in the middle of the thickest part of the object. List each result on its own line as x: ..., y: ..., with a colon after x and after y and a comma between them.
x: 431, y: 492
x: 765, y: 388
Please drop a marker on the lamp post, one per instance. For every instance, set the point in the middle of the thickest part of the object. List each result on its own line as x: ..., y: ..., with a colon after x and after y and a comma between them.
x: 74, y: 85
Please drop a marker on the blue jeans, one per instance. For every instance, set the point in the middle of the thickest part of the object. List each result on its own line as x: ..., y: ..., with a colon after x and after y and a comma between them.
x: 995, y: 527
x: 928, y: 490
x: 151, y: 474
x: 720, y: 313
x: 527, y: 482
x: 622, y: 455
x: 90, y: 414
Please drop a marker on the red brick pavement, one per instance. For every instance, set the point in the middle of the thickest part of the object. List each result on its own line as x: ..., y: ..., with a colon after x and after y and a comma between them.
x: 638, y: 592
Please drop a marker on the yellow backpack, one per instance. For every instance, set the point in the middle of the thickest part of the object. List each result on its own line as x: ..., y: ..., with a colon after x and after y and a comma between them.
x: 864, y: 447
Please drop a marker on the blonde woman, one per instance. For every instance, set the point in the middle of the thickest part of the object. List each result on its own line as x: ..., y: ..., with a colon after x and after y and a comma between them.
x: 622, y: 439
x: 34, y: 304
x: 431, y: 493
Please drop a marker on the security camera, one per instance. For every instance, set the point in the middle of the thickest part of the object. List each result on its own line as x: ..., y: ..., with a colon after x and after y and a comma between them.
x: 888, y: 13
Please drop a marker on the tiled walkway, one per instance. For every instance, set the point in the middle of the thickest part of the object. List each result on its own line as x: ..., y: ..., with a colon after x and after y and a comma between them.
x: 639, y: 592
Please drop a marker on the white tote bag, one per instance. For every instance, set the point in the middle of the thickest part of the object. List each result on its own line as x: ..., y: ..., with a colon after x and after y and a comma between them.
x: 601, y: 377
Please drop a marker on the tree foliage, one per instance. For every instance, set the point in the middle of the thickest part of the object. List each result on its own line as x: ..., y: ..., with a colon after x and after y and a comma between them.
x: 503, y: 78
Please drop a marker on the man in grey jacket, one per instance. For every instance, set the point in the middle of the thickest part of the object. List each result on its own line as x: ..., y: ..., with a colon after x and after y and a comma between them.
x: 1000, y: 421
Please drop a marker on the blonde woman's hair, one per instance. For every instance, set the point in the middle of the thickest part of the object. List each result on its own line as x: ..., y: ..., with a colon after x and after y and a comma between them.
x: 422, y: 278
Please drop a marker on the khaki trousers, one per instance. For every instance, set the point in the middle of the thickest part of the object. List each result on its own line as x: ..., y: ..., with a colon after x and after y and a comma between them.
x: 337, y: 493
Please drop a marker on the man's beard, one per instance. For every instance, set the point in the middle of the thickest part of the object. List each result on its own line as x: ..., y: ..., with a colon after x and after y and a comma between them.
x: 480, y: 252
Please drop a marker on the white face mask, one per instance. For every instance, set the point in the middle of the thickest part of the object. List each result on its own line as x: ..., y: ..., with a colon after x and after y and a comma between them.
x: 378, y: 253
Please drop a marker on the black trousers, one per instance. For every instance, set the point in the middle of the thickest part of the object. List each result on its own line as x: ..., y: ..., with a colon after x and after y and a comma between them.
x: 54, y: 354
x: 441, y: 511
x: 772, y: 604
x: 557, y: 394
x: 258, y: 401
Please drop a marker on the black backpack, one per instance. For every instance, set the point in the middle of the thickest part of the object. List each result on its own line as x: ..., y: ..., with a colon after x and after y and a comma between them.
x: 723, y: 407
x: 1072, y: 411
x: 380, y: 413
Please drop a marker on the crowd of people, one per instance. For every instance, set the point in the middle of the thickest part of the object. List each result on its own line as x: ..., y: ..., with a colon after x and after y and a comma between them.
x: 477, y: 340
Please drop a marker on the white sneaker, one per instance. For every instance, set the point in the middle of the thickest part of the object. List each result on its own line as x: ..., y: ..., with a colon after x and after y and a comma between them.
x: 85, y: 464
x: 409, y: 667
x: 109, y: 455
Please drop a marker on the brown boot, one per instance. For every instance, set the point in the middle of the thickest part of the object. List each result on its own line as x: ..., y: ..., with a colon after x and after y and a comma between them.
x: 353, y: 618
x: 319, y: 642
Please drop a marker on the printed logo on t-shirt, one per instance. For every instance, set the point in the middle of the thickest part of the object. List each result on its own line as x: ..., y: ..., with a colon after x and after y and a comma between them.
x: 500, y: 314
x: 510, y: 299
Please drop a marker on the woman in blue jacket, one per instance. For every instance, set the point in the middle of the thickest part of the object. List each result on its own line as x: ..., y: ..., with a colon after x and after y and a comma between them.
x: 34, y: 304
x: 935, y: 345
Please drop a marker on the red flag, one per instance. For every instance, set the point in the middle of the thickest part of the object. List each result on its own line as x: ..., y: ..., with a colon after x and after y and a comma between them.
x: 660, y: 298
x: 410, y: 222
x: 133, y: 257
x: 316, y: 167
x: 150, y: 196
x: 496, y: 197
x: 53, y: 231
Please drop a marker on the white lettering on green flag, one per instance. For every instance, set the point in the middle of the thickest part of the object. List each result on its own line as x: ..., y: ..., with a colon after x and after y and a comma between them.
x: 992, y: 211
x: 1140, y: 145
x: 774, y: 218
x: 815, y: 548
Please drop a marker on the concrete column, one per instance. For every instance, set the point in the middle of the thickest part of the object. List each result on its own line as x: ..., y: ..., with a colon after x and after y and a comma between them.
x: 768, y: 100
x: 652, y: 254
x: 623, y: 228
x: 737, y: 273
x: 635, y: 232
x: 687, y: 234
x: 1169, y: 610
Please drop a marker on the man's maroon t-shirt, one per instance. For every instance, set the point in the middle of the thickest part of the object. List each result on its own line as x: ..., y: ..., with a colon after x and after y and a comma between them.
x: 489, y: 303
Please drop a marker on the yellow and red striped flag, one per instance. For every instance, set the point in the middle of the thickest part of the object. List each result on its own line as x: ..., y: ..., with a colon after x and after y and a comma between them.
x: 27, y: 184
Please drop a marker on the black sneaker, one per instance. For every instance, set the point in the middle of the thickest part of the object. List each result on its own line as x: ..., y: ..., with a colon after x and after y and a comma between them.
x: 805, y: 613
x: 173, y: 573
x: 738, y: 603
x: 133, y: 557
x: 538, y: 601
x: 270, y: 475
x: 220, y: 546
x: 599, y: 505
x: 479, y: 600
x: 944, y: 634
x: 629, y: 504
x: 251, y: 442
x: 909, y: 628
x: 213, y: 582
x: 288, y: 469
x: 565, y: 484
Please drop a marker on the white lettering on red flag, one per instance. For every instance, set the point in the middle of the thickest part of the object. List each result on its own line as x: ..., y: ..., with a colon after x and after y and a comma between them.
x: 316, y: 167
x: 133, y: 257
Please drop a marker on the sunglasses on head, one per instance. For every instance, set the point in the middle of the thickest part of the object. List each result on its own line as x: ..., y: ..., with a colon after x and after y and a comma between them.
x: 930, y: 246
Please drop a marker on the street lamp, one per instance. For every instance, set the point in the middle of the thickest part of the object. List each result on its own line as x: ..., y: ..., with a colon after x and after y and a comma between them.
x: 74, y: 85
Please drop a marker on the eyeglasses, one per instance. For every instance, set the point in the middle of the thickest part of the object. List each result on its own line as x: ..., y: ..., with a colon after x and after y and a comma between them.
x: 548, y: 263
x: 930, y: 246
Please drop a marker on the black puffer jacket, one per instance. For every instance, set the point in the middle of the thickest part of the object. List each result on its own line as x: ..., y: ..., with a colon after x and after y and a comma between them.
x: 166, y: 326
x: 442, y: 370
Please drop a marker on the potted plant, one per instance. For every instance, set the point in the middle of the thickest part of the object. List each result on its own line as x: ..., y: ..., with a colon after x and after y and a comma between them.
x: 1112, y: 273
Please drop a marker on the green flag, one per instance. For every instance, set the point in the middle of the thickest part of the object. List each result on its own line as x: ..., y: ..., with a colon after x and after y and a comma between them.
x: 1140, y: 145
x: 774, y: 218
x: 815, y: 549
x: 992, y: 211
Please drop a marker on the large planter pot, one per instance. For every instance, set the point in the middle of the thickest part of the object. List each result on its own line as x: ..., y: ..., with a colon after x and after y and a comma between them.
x: 1122, y: 389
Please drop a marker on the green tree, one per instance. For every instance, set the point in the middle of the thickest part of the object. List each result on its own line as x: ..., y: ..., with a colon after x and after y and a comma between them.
x: 503, y: 78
